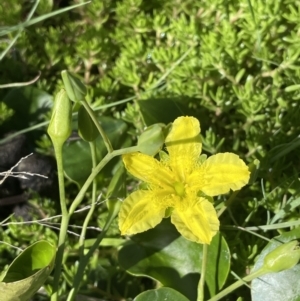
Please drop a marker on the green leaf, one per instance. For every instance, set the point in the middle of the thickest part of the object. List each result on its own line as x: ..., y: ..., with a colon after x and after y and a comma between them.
x: 161, y: 253
x: 86, y: 128
x: 292, y: 88
x: 283, y: 286
x: 77, y: 168
x: 162, y: 110
x: 44, y: 7
x: 76, y: 154
x: 161, y: 294
x: 29, y: 104
x: 28, y: 272
x: 9, y: 29
x: 239, y: 75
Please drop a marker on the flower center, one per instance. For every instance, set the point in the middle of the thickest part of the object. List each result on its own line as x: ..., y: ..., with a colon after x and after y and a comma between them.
x: 179, y: 188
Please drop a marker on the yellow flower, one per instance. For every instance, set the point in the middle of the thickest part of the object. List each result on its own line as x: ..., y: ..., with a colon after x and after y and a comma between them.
x: 179, y: 184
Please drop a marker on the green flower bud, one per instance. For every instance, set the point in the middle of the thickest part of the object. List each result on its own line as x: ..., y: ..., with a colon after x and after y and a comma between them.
x: 75, y: 89
x: 282, y: 258
x: 86, y: 127
x: 60, y: 125
x: 152, y: 139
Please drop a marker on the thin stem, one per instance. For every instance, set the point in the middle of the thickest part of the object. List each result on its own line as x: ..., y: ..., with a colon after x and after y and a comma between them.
x: 99, y: 127
x: 95, y: 171
x: 93, y: 203
x: 31, y: 13
x: 85, y: 260
x: 237, y: 284
x: 64, y: 221
x: 200, y: 296
x: 228, y: 203
x: 66, y: 215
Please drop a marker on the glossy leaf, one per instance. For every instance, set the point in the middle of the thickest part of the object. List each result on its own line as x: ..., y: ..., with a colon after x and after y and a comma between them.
x: 30, y: 106
x: 86, y: 128
x: 283, y: 286
x: 78, y: 167
x: 162, y: 110
x: 161, y: 253
x: 161, y: 294
x: 28, y: 272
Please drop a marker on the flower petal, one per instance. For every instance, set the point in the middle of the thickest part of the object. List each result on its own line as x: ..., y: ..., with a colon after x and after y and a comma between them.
x: 139, y: 213
x: 148, y: 169
x: 220, y: 173
x: 184, y: 145
x: 198, y: 223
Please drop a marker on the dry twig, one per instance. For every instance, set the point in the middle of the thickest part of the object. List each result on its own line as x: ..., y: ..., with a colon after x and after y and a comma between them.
x: 18, y: 174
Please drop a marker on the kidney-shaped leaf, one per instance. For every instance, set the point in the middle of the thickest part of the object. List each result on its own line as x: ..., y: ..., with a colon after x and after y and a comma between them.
x: 28, y: 272
x: 283, y: 286
x: 161, y: 253
x: 161, y: 294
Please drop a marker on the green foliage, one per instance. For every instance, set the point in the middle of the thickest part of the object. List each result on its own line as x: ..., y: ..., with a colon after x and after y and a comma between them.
x: 28, y: 272
x: 280, y: 286
x: 156, y: 255
x: 232, y: 64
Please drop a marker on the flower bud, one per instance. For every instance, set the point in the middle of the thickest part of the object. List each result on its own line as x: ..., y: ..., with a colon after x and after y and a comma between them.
x: 152, y: 140
x: 60, y: 125
x: 75, y: 89
x: 282, y: 258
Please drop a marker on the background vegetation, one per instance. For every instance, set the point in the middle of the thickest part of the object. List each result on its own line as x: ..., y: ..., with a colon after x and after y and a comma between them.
x: 232, y: 64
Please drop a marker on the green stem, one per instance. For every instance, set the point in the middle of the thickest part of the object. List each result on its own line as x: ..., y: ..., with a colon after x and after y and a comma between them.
x: 93, y: 203
x: 237, y: 284
x: 200, y: 296
x: 64, y: 221
x: 97, y: 124
x: 228, y: 203
x: 85, y: 260
x: 75, y: 204
x: 94, y: 173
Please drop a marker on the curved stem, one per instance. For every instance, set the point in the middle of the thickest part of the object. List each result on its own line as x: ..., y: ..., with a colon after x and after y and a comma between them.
x: 94, y: 173
x: 237, y: 284
x: 227, y: 203
x: 66, y: 216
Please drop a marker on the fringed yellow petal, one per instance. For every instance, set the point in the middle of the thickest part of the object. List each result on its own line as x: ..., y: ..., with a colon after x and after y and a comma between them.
x: 139, y: 213
x: 148, y: 169
x: 198, y: 223
x: 184, y: 145
x: 220, y: 173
